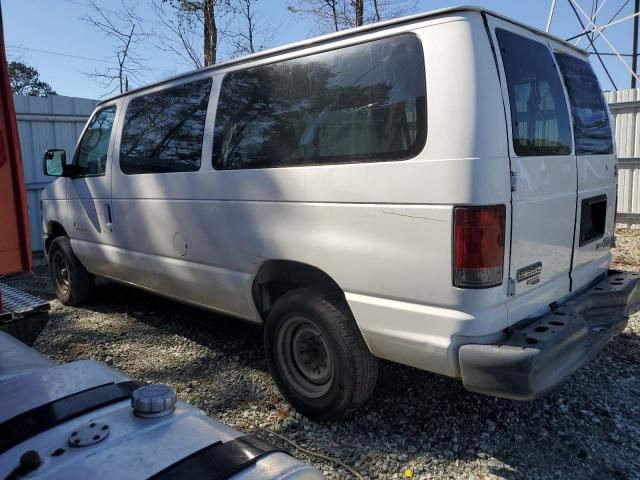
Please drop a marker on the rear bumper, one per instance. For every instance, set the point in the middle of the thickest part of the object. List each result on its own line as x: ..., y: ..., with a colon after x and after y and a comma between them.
x: 537, y: 356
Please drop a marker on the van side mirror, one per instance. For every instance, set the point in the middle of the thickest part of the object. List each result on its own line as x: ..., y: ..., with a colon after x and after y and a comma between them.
x: 54, y: 162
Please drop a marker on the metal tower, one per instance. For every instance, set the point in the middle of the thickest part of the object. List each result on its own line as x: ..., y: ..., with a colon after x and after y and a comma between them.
x: 592, y: 29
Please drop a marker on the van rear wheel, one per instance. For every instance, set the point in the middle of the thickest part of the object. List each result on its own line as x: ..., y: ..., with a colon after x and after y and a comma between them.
x: 317, y: 355
x: 73, y: 284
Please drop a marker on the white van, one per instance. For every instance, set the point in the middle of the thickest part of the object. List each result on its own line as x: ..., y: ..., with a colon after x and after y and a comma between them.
x: 437, y: 190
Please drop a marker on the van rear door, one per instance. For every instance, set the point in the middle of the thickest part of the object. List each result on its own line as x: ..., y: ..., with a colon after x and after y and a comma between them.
x: 596, y: 162
x: 543, y: 169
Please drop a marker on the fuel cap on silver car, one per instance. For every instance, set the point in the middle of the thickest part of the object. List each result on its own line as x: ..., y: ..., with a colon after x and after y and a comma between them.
x: 154, y: 400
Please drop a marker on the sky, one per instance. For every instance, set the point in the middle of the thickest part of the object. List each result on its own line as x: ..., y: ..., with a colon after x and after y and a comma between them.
x: 51, y: 36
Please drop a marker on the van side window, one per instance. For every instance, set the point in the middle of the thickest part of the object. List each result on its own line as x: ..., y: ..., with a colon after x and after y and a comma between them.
x: 591, y: 126
x: 163, y: 130
x: 539, y: 116
x: 91, y: 158
x: 359, y: 103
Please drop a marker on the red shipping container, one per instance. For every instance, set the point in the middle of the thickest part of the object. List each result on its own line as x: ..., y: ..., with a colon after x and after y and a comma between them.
x: 15, y: 246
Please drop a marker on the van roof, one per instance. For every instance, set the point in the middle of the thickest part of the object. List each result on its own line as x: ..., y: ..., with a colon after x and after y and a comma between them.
x: 345, y: 34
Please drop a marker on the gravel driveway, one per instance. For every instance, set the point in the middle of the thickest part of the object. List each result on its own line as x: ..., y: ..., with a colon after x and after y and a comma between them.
x: 417, y: 424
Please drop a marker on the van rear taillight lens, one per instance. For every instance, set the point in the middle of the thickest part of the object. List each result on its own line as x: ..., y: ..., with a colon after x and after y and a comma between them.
x: 478, y: 246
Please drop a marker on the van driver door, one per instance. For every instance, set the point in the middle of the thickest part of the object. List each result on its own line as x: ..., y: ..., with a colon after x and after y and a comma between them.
x: 90, y: 189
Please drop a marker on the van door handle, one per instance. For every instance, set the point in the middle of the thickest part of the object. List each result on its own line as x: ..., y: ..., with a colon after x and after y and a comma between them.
x: 109, y: 220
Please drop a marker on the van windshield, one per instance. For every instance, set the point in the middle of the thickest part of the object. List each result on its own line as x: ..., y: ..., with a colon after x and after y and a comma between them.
x: 591, y: 125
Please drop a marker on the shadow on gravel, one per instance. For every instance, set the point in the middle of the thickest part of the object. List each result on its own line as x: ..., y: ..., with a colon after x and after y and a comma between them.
x: 586, y: 428
x: 208, y: 329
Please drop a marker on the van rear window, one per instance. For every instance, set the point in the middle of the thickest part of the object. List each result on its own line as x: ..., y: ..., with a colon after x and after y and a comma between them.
x: 539, y: 116
x: 163, y: 130
x: 360, y: 103
x: 591, y: 125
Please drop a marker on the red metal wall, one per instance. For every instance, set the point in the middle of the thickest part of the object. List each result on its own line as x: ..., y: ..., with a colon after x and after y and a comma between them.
x: 15, y: 246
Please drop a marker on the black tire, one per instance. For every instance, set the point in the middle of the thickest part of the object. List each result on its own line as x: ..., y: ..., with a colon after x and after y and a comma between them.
x: 317, y: 355
x: 72, y: 283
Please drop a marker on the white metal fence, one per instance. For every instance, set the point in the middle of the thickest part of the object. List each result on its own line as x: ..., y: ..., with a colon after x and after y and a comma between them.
x: 46, y: 122
x: 56, y: 122
x: 625, y: 110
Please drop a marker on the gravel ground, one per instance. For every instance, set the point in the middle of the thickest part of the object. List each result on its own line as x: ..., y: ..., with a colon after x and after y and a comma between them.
x: 417, y: 423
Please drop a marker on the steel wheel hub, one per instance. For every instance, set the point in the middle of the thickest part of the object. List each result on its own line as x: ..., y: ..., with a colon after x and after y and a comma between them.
x: 60, y: 271
x: 311, y: 355
x: 304, y: 357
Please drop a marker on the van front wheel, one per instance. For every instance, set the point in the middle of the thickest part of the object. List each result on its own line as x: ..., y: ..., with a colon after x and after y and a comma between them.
x: 317, y: 355
x: 72, y: 283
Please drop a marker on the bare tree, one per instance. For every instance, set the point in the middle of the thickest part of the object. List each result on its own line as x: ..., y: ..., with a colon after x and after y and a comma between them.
x: 342, y: 14
x: 246, y: 33
x: 180, y: 34
x: 123, y: 28
x: 206, y: 9
x: 385, y: 9
x: 376, y: 10
x: 325, y: 11
x: 188, y: 22
x: 246, y: 38
x: 358, y: 10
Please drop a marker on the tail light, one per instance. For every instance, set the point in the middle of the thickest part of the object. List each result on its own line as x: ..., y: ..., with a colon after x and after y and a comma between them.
x: 478, y: 246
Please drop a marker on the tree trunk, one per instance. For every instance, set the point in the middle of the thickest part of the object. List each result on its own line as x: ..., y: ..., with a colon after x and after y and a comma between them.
x: 210, y: 33
x: 250, y: 26
x: 120, y: 72
x: 375, y: 7
x: 359, y: 7
x: 334, y: 14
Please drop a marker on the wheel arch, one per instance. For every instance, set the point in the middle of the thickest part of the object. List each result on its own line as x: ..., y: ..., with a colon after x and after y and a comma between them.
x: 54, y: 230
x: 276, y: 277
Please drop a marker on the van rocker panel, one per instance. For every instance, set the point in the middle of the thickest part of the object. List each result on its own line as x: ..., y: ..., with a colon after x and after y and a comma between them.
x: 537, y: 356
